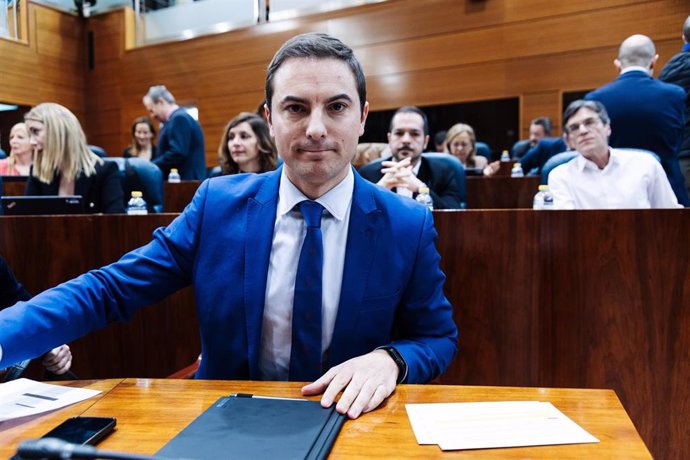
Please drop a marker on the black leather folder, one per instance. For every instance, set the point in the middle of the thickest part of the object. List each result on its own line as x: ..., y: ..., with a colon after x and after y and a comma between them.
x: 245, y: 427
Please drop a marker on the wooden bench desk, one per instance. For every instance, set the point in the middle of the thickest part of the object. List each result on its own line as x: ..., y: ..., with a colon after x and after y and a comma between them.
x: 151, y: 412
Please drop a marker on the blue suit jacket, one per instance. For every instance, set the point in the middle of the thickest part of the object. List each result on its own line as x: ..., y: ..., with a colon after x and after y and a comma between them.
x: 181, y: 146
x: 647, y: 114
x: 392, y: 288
x: 537, y: 156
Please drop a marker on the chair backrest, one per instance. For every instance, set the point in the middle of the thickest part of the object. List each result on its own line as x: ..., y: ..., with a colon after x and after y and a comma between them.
x: 142, y: 175
x: 483, y: 149
x: 214, y: 172
x: 458, y: 172
x: 100, y: 151
x: 556, y: 160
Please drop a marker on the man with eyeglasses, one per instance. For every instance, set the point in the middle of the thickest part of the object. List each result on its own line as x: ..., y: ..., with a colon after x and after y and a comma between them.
x: 601, y: 177
x: 645, y: 113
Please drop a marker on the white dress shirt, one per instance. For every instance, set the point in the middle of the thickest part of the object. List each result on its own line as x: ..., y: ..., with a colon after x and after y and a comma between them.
x: 630, y: 180
x: 288, y: 236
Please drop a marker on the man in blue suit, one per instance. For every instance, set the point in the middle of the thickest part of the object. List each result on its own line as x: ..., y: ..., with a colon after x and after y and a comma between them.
x: 383, y: 318
x: 645, y: 113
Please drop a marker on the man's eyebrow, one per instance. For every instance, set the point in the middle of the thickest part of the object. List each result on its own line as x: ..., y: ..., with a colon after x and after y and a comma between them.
x: 293, y: 99
x: 339, y: 97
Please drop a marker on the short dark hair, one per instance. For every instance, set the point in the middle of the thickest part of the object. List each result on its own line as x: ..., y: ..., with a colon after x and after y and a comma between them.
x: 544, y: 122
x: 594, y: 106
x: 320, y: 46
x: 411, y: 109
x: 440, y: 137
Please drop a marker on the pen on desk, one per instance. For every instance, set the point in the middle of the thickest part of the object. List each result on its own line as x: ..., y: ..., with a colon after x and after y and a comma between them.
x: 249, y: 395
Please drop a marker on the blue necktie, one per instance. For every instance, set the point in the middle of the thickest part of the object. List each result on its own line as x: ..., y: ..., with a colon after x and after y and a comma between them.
x: 305, y: 356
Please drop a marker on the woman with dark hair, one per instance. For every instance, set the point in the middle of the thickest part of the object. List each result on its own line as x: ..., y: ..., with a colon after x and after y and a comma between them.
x: 247, y: 146
x: 142, y: 145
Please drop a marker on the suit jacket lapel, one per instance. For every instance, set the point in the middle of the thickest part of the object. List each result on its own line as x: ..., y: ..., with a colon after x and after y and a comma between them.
x: 362, y: 237
x: 261, y: 216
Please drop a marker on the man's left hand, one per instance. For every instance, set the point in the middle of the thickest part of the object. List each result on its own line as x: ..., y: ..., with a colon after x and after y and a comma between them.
x: 367, y: 381
x: 58, y: 360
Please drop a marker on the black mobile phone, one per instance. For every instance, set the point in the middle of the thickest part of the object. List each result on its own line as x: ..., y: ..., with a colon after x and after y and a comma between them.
x: 83, y: 430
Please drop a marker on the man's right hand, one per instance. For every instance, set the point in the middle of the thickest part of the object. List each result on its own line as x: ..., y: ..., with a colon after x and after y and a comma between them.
x: 399, y: 174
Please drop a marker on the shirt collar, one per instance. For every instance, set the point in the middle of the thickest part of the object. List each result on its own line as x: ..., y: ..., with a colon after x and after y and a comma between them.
x: 582, y: 163
x: 415, y: 170
x: 635, y: 68
x: 336, y: 201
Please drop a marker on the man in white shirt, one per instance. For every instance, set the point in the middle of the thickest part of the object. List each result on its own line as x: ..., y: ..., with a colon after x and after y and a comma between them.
x: 601, y: 177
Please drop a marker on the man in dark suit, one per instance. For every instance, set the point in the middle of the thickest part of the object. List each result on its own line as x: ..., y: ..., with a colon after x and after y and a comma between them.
x: 181, y: 141
x: 370, y: 266
x: 536, y: 157
x: 645, y: 113
x: 408, y: 171
x: 677, y: 71
x: 539, y: 128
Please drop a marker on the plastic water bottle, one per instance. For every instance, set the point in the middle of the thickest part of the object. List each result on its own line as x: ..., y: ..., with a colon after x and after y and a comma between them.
x: 543, y: 199
x: 174, y: 176
x: 548, y: 199
x: 517, y: 171
x: 424, y: 198
x: 505, y: 156
x: 136, y: 204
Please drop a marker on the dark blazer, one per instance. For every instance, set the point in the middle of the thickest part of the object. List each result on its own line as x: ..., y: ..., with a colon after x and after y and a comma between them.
x: 519, y: 149
x: 392, y: 286
x: 677, y: 71
x: 102, y: 192
x: 11, y: 291
x: 127, y: 152
x: 537, y: 156
x: 647, y: 114
x: 181, y: 146
x: 440, y: 179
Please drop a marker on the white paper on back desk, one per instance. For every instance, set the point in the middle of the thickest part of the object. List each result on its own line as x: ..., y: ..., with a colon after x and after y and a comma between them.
x: 22, y: 397
x: 486, y: 425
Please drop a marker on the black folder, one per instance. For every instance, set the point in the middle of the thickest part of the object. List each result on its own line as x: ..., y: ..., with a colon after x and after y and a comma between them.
x: 245, y: 427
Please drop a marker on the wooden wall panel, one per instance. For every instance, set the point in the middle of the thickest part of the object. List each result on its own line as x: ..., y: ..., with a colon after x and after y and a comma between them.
x: 533, y: 105
x: 49, y: 66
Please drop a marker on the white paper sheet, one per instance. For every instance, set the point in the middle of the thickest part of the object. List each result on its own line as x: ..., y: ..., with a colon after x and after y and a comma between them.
x: 483, y: 425
x: 22, y: 397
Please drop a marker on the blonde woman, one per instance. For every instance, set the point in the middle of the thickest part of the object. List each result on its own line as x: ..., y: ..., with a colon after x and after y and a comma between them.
x: 462, y: 143
x: 19, y: 161
x: 64, y: 165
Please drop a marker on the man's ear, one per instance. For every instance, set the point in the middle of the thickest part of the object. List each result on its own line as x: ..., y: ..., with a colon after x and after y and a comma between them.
x: 617, y: 64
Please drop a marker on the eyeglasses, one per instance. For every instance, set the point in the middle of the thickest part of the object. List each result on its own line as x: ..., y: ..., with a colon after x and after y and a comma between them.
x: 589, y: 123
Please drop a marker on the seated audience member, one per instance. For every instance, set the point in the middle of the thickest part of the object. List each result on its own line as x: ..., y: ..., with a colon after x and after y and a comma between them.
x: 408, y: 170
x: 21, y: 153
x: 539, y: 128
x: 180, y: 141
x: 277, y: 259
x: 440, y: 142
x: 64, y: 165
x: 247, y: 146
x: 56, y: 361
x: 535, y: 158
x: 462, y: 144
x: 142, y: 145
x: 601, y: 177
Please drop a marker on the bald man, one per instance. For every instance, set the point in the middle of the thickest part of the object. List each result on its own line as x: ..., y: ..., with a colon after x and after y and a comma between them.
x: 645, y: 113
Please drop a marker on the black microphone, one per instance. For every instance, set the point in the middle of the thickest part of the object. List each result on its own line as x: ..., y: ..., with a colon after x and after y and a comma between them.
x: 54, y: 448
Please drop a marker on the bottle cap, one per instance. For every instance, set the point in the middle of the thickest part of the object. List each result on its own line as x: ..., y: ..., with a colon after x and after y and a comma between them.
x: 173, y: 170
x: 517, y: 165
x: 137, y: 194
x: 543, y: 187
x: 423, y: 189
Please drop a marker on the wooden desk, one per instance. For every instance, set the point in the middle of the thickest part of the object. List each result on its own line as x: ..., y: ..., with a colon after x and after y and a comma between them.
x: 179, y: 194
x: 496, y: 192
x: 151, y: 412
x: 13, y: 185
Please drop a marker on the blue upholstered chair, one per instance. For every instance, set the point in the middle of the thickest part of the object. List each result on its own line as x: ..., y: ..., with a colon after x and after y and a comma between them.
x: 140, y: 174
x: 458, y: 171
x: 98, y: 151
x: 483, y: 149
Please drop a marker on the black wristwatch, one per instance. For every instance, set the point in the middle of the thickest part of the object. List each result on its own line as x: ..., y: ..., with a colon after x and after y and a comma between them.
x: 399, y: 361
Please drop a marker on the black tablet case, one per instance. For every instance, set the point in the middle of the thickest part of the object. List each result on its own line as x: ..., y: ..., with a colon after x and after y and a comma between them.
x: 237, y: 427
